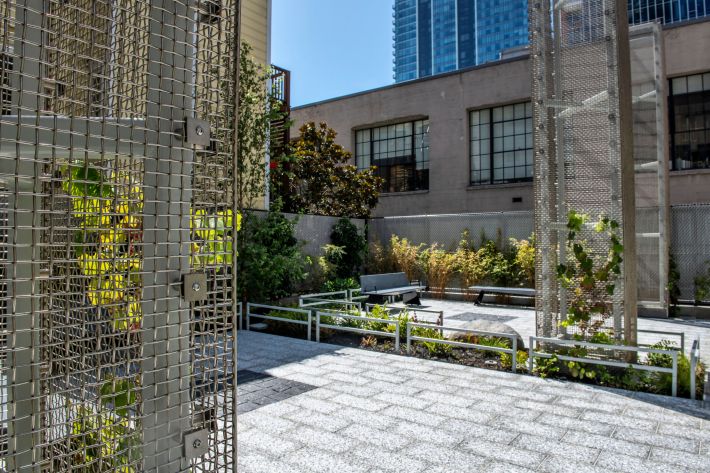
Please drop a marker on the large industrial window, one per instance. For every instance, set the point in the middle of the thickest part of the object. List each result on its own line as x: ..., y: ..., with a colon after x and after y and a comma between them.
x: 501, y: 144
x: 690, y: 121
x: 400, y: 154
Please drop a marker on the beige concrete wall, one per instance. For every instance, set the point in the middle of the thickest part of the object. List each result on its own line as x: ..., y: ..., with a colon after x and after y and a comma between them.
x: 445, y: 100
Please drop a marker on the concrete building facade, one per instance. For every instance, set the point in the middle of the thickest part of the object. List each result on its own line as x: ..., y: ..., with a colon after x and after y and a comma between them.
x: 479, y: 112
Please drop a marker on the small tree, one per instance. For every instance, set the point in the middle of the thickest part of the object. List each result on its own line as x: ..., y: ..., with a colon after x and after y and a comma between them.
x: 317, y: 179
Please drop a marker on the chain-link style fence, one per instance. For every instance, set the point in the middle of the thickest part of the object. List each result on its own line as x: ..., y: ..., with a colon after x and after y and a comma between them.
x: 446, y: 230
x: 690, y: 247
x: 116, y: 168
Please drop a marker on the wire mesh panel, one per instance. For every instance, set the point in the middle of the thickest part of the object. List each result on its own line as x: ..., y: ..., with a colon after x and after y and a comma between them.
x: 116, y: 176
x: 690, y: 248
x: 584, y: 161
x: 651, y: 164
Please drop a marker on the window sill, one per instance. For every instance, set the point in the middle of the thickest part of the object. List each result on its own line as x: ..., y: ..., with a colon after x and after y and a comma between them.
x: 396, y: 194
x: 685, y: 172
x: 509, y: 185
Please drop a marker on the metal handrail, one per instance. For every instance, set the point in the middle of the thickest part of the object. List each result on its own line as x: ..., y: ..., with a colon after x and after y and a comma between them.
x: 619, y: 364
x: 661, y: 332
x: 694, y: 357
x: 394, y: 335
x: 513, y: 352
x: 306, y: 322
x: 323, y: 295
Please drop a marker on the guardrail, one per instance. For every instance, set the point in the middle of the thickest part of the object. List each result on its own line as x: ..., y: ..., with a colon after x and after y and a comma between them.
x: 619, y: 364
x: 304, y: 312
x: 513, y: 351
x: 694, y: 358
x: 681, y: 335
x: 239, y: 316
x: 323, y: 296
x: 343, y: 328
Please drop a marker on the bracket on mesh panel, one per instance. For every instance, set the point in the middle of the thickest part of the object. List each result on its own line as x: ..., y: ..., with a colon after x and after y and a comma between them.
x: 195, y: 443
x: 197, y: 132
x: 194, y: 287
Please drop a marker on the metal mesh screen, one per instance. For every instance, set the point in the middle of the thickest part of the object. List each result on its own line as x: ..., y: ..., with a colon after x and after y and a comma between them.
x: 690, y: 245
x: 110, y: 194
x: 650, y: 163
x: 446, y: 230
x: 582, y: 142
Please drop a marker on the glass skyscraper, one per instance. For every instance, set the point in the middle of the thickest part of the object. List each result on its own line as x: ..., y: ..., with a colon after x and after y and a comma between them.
x: 435, y: 36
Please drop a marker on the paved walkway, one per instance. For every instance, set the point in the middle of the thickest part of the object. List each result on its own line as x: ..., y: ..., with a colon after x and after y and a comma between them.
x: 323, y: 408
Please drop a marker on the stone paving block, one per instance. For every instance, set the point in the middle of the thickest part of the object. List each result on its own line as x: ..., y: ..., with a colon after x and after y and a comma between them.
x: 323, y: 393
x: 500, y: 467
x: 560, y: 464
x: 588, y: 405
x: 528, y: 427
x: 413, y: 415
x: 267, y: 423
x: 470, y: 414
x: 684, y: 431
x: 505, y: 453
x: 250, y: 462
x: 359, y: 380
x: 476, y: 394
x: 383, y: 439
x: 362, y: 391
x: 549, y: 408
x: 471, y: 429
x: 404, y: 367
x: 420, y: 385
x: 366, y: 404
x: 453, y: 460
x: 606, y: 443
x: 575, y: 424
x: 662, y: 416
x: 323, y: 440
x: 422, y: 434
x: 385, y: 387
x: 387, y: 460
x: 506, y: 410
x: 366, y: 418
x: 551, y: 446
x: 441, y: 398
x: 521, y: 393
x: 618, y: 462
x: 308, y: 379
x: 620, y: 421
x: 387, y: 377
x: 674, y: 457
x: 319, y: 405
x: 331, y: 423
x: 404, y: 400
x: 313, y: 460
x: 658, y: 440
x: 268, y: 443
x: 344, y: 368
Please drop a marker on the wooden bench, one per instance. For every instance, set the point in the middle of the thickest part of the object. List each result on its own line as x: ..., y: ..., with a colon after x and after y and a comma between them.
x: 506, y: 291
x: 382, y: 288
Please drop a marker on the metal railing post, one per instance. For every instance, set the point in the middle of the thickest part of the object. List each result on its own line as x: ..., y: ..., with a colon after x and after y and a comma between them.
x: 396, y: 335
x: 409, y: 338
x: 317, y: 327
x: 310, y: 317
x: 531, y: 356
x: 675, y: 374
x: 248, y: 316
x: 515, y: 354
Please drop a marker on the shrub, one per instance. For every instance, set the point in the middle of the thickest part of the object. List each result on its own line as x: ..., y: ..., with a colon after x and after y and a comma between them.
x: 379, y: 259
x: 702, y: 285
x: 270, y: 261
x: 406, y: 257
x: 498, y: 267
x: 340, y: 284
x: 354, y: 245
x: 439, y: 266
x: 434, y: 349
x: 525, y: 260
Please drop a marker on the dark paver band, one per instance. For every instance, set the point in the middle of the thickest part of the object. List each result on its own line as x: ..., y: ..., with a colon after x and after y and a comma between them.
x: 255, y: 390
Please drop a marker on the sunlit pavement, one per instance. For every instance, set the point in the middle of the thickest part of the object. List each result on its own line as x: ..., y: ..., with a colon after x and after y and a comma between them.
x: 323, y: 408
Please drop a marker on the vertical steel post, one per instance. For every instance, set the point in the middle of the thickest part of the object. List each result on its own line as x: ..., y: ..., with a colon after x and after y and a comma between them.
x: 166, y: 367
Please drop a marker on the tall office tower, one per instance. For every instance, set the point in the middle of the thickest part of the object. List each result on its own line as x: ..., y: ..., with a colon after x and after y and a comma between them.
x: 435, y: 36
x: 667, y: 11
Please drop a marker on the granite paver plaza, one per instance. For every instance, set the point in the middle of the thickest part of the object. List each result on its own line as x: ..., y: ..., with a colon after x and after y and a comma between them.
x: 324, y: 408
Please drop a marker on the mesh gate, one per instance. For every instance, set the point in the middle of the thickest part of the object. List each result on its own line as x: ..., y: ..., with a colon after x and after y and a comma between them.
x: 117, y: 241
x: 583, y: 152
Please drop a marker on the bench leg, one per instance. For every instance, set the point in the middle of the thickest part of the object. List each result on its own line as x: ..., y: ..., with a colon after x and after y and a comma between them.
x: 479, y: 299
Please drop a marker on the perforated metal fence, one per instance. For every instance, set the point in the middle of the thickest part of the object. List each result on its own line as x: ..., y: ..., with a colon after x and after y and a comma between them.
x: 690, y: 246
x: 583, y: 153
x: 117, y: 168
x: 446, y: 230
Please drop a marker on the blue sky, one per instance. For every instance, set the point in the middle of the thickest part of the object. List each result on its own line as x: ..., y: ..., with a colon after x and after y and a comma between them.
x: 332, y: 47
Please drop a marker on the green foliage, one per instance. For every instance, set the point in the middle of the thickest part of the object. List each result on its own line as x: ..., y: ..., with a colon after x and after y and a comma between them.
x: 212, y: 238
x: 702, y: 285
x: 354, y: 245
x: 406, y: 257
x: 547, y: 367
x: 498, y: 266
x: 270, y: 262
x: 524, y: 260
x: 340, y: 284
x: 435, y: 349
x: 439, y: 267
x: 589, y: 280
x: 316, y: 177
